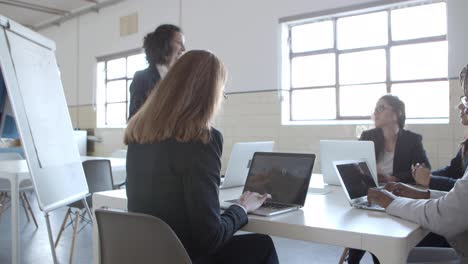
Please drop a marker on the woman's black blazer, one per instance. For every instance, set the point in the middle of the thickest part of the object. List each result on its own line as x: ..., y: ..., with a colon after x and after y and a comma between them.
x: 408, y: 150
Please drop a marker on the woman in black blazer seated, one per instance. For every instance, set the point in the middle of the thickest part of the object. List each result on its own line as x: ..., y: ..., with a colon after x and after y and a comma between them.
x: 173, y: 166
x: 396, y: 149
x: 444, y: 179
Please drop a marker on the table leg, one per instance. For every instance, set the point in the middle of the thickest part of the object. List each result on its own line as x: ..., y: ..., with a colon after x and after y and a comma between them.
x: 15, y: 238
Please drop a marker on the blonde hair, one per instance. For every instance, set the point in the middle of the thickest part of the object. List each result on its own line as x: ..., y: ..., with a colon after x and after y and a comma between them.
x: 183, y: 104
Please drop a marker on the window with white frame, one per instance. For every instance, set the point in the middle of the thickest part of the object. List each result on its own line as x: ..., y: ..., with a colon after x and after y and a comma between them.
x: 336, y: 67
x: 114, y: 76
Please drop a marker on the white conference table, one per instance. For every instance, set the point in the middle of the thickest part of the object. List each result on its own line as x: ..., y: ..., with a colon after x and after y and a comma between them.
x: 17, y: 170
x: 325, y: 218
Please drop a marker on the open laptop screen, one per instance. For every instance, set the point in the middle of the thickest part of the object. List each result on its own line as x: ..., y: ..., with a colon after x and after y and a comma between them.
x: 285, y: 176
x: 356, y: 177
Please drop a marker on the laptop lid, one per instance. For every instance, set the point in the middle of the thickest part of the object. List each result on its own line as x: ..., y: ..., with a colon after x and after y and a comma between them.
x: 285, y: 176
x: 356, y: 179
x: 240, y: 159
x: 334, y: 150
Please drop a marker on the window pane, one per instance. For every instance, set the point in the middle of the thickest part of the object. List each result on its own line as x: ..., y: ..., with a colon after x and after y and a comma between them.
x: 362, y: 31
x: 116, y: 114
x: 136, y: 63
x: 362, y: 67
x: 419, y: 21
x: 116, y: 68
x: 425, y: 99
x: 101, y: 83
x: 360, y: 100
x: 314, y: 36
x: 116, y: 91
x: 313, y: 104
x: 315, y: 70
x: 419, y: 61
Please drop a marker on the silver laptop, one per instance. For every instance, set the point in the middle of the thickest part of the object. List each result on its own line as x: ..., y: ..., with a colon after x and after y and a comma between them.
x: 356, y: 179
x: 285, y: 176
x: 240, y: 159
x: 333, y: 150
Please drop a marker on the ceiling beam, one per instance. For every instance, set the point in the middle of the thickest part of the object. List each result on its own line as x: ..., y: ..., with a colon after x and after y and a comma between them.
x: 34, y: 7
x: 75, y: 13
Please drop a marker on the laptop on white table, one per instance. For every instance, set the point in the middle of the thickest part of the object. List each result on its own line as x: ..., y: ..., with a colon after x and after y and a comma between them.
x: 285, y: 176
x: 356, y: 179
x: 334, y: 150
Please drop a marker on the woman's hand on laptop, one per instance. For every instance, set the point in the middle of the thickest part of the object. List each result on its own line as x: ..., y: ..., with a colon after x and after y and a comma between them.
x: 401, y: 189
x: 251, y: 201
x: 380, y: 197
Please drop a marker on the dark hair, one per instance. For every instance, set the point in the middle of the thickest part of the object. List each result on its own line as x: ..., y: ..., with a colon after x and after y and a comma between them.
x: 157, y: 44
x: 464, y: 79
x: 398, y: 107
x: 464, y: 82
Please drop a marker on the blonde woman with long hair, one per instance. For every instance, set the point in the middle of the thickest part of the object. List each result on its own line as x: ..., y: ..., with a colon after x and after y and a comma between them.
x: 173, y: 165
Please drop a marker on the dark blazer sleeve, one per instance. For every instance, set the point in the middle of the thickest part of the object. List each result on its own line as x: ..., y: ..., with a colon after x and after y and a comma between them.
x: 441, y: 183
x: 371, y: 135
x: 142, y: 84
x: 365, y: 136
x: 444, y: 179
x: 409, y: 151
x: 210, y: 228
x: 137, y: 93
x: 454, y: 169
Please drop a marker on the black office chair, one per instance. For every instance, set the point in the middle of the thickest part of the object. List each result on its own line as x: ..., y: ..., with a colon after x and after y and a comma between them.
x: 126, y: 238
x: 99, y: 178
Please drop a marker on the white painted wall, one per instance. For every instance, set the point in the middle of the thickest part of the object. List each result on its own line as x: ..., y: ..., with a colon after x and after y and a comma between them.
x: 245, y: 35
x: 81, y: 40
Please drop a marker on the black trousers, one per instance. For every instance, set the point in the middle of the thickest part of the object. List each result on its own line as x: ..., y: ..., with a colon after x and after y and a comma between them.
x: 246, y: 249
x: 431, y: 240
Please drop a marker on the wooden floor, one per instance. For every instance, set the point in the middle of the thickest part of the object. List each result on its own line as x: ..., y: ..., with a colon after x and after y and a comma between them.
x: 35, y: 243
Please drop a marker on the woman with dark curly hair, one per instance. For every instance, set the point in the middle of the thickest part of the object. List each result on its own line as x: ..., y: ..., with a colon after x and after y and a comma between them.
x: 162, y: 47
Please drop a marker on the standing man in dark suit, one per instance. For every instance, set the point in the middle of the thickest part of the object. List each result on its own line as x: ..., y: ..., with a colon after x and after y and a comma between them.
x: 162, y: 48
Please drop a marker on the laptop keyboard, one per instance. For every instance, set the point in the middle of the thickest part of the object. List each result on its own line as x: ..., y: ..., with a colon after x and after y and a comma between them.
x: 271, y: 205
x: 266, y: 205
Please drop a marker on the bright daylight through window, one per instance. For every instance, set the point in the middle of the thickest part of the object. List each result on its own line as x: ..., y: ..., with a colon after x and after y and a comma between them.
x: 114, y: 76
x: 335, y: 68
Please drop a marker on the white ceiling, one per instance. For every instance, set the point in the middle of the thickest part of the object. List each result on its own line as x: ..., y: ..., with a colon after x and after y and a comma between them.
x: 32, y: 13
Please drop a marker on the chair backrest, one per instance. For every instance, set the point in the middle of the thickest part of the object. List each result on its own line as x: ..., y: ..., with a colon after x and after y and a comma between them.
x: 98, y: 175
x: 137, y: 238
x: 10, y: 156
